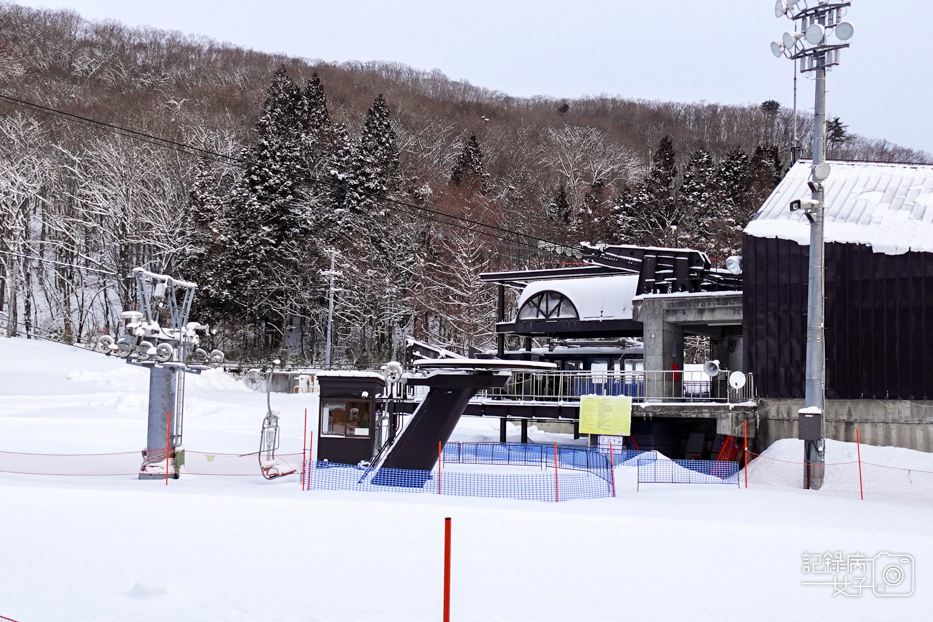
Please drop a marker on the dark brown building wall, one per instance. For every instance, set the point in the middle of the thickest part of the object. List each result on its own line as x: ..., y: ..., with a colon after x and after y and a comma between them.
x: 879, y: 320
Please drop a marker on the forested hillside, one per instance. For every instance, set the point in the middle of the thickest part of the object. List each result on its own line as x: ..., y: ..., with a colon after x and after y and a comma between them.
x: 243, y: 170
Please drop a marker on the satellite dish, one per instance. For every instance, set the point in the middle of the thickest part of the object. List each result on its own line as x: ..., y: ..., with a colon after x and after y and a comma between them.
x: 791, y: 39
x: 780, y: 8
x: 711, y: 368
x: 777, y: 49
x: 815, y: 34
x: 822, y: 171
x: 392, y: 372
x: 737, y: 380
x: 844, y: 31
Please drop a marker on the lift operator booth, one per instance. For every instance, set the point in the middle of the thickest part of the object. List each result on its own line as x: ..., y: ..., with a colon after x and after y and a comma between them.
x: 348, y: 417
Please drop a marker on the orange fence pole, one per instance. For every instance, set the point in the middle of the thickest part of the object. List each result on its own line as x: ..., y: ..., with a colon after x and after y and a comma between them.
x: 612, y: 471
x: 858, y: 448
x: 168, y: 444
x: 447, y: 569
x: 556, y: 491
x: 440, y: 461
x: 745, y: 434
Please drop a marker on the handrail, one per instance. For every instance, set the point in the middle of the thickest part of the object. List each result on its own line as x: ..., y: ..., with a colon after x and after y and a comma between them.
x: 641, y: 386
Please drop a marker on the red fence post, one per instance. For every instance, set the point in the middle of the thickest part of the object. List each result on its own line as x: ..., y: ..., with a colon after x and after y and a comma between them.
x: 447, y: 569
x: 556, y: 490
x: 858, y: 448
x: 745, y: 449
x: 168, y: 444
x: 612, y: 471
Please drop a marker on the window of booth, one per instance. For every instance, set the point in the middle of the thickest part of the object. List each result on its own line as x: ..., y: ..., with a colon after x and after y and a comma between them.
x: 548, y: 305
x: 346, y: 418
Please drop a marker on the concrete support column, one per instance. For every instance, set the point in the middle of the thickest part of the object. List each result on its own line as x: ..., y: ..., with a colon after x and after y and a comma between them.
x: 664, y: 352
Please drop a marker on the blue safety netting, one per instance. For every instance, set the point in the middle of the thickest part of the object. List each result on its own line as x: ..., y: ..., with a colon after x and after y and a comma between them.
x: 620, y: 456
x: 581, y: 473
x: 660, y: 470
x: 587, y: 459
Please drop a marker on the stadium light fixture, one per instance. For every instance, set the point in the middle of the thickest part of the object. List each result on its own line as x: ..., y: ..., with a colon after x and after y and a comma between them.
x: 809, y: 43
x: 790, y: 39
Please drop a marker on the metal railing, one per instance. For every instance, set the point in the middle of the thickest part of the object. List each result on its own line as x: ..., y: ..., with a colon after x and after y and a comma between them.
x: 641, y: 386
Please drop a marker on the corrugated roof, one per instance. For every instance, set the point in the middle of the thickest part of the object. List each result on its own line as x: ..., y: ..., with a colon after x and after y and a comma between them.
x: 886, y: 206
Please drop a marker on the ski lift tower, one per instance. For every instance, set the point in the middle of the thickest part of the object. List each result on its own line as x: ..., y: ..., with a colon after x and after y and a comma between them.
x: 812, y: 46
x: 159, y: 336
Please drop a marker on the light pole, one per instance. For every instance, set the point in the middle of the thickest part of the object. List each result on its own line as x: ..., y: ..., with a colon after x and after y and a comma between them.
x: 330, y: 274
x: 810, y: 44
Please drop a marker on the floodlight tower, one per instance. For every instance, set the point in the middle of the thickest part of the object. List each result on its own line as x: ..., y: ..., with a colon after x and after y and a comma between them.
x: 812, y: 46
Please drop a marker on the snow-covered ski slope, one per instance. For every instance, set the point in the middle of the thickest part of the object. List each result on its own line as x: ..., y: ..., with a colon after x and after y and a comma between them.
x: 242, y: 548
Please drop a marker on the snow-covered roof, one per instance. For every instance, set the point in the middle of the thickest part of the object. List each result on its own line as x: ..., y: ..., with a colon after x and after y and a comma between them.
x: 886, y: 206
x: 596, y: 298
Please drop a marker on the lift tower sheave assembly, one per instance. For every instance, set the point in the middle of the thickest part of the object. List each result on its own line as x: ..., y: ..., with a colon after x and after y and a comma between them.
x: 159, y: 336
x: 819, y: 36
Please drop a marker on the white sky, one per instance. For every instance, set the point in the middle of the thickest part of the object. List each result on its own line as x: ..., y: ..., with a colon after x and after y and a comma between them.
x: 678, y: 50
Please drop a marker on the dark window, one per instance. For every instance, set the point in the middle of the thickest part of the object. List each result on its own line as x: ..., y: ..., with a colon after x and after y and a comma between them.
x: 347, y: 418
x: 548, y: 306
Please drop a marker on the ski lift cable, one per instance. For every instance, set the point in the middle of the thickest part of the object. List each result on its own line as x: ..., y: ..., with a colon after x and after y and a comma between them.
x: 192, y: 150
x: 59, y: 263
x: 143, y: 136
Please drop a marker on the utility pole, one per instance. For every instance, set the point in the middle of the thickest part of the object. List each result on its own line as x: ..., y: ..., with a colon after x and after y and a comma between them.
x: 809, y: 46
x: 330, y: 274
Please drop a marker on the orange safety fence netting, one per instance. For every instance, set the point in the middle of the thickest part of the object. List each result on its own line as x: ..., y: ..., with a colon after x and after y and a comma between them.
x: 841, y: 479
x: 129, y: 463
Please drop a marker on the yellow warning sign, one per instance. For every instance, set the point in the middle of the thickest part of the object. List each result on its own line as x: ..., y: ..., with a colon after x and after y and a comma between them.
x: 606, y: 414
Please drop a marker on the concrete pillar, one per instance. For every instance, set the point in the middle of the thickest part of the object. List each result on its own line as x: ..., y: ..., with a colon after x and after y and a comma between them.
x: 664, y: 352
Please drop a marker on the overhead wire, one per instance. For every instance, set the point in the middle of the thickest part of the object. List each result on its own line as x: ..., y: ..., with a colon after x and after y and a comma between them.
x: 58, y: 263
x: 427, y: 213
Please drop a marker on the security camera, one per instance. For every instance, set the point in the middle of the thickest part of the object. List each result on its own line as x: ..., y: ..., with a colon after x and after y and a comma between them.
x: 806, y: 204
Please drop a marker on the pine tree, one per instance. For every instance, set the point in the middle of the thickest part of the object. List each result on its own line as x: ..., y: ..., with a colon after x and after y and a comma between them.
x: 207, y: 235
x: 469, y: 169
x: 559, y: 209
x: 652, y: 212
x: 732, y: 179
x: 836, y: 134
x: 264, y: 214
x: 697, y: 189
x: 376, y: 164
x: 318, y: 138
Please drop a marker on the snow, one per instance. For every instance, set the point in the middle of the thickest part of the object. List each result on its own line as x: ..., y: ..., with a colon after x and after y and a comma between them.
x: 882, y: 205
x: 243, y: 548
x: 599, y: 298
